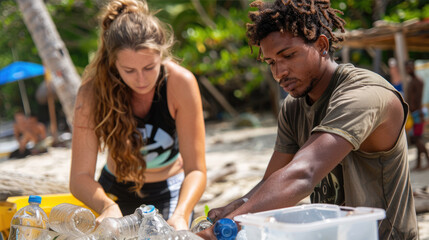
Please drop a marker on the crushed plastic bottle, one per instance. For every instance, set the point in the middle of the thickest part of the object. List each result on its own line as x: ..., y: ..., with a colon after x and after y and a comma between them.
x: 181, y: 235
x: 225, y: 229
x: 30, y: 222
x: 69, y: 219
x: 58, y: 236
x: 200, y: 223
x: 153, y: 225
x: 241, y: 235
x: 126, y: 227
x: 176, y: 235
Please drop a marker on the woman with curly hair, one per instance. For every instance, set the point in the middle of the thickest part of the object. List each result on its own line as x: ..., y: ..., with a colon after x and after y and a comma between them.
x: 139, y: 104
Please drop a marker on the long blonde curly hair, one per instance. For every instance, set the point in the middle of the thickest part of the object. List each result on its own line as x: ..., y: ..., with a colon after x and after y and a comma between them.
x: 125, y: 24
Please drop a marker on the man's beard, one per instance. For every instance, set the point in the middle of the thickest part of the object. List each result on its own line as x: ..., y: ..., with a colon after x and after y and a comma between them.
x: 307, y: 90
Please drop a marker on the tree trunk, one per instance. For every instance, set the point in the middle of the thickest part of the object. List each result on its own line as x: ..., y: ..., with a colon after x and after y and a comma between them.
x: 203, y: 14
x: 378, y: 13
x: 19, y: 184
x: 379, y: 9
x: 53, y: 52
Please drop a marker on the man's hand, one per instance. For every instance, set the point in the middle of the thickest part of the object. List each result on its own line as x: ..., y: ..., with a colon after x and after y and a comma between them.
x: 207, y: 234
x: 217, y: 213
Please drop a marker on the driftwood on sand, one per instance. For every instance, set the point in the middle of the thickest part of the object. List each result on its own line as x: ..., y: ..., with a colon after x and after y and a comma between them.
x: 18, y: 184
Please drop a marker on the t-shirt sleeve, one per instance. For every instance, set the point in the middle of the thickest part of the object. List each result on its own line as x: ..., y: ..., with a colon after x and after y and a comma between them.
x: 285, y: 142
x: 355, y: 112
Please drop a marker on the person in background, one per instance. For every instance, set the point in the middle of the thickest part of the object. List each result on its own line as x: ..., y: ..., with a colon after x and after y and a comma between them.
x: 146, y: 110
x: 19, y: 131
x: 28, y: 130
x: 415, y: 98
x: 38, y: 131
x: 395, y: 76
x: 341, y: 137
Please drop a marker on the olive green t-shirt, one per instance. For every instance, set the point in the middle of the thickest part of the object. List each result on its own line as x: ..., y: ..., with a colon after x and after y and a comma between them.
x: 352, y: 107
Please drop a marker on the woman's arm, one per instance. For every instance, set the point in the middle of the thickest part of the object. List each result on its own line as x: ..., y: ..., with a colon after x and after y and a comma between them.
x: 84, y: 158
x: 188, y: 113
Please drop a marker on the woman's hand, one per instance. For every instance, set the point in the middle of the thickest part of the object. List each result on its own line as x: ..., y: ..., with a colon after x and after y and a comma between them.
x: 178, y: 222
x: 112, y: 210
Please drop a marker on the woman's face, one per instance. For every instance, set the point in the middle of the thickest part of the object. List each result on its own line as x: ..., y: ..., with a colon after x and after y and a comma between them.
x: 139, y: 69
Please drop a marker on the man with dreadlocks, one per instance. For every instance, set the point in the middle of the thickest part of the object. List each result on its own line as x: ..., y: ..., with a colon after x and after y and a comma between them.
x: 341, y: 136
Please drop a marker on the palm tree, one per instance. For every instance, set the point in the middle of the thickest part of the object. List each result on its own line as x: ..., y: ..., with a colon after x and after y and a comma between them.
x: 53, y: 52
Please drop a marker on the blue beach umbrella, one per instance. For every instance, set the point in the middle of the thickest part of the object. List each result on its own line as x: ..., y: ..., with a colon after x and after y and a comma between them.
x: 20, y: 70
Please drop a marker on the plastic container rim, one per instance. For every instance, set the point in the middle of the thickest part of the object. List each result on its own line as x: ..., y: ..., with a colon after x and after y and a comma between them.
x: 255, y: 219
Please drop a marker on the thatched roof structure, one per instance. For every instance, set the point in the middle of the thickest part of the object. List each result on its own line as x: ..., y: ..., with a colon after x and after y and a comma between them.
x: 382, y: 36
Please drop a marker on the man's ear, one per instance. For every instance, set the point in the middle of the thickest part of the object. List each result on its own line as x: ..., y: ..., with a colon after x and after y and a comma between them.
x: 322, y: 45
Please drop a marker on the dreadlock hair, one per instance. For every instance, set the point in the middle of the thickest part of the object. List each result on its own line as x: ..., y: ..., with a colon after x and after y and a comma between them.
x: 307, y: 19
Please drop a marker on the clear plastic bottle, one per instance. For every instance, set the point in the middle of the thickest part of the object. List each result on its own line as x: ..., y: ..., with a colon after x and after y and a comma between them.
x: 58, y: 236
x: 241, y: 235
x: 200, y: 223
x: 126, y: 227
x: 30, y: 222
x: 176, y: 235
x: 225, y: 229
x: 69, y: 219
x: 181, y: 235
x: 153, y: 225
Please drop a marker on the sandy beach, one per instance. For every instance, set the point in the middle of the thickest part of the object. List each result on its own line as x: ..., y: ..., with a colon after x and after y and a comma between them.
x: 236, y: 159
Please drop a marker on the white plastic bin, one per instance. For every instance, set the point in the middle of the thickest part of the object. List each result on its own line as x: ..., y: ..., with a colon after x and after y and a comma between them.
x: 313, y: 221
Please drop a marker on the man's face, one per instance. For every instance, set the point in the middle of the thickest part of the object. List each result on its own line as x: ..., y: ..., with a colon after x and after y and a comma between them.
x: 294, y: 64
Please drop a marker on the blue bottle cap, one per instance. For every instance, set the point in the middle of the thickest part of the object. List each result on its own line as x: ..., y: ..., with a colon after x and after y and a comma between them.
x: 148, y: 209
x: 225, y: 229
x: 34, y: 199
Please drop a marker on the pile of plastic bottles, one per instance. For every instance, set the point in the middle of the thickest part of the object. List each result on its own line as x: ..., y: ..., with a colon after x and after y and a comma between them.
x: 71, y: 222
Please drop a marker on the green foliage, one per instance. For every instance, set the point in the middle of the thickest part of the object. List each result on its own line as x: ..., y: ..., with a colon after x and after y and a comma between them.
x: 406, y: 10
x: 220, y: 54
x: 76, y: 23
x: 223, y: 55
x: 359, y: 14
x: 16, y: 44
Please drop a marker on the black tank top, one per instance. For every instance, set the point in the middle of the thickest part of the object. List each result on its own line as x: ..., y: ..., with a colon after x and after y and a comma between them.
x: 159, y: 133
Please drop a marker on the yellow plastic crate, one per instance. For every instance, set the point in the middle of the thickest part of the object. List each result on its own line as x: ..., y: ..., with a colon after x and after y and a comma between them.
x: 13, y: 204
x: 7, y: 210
x: 49, y: 201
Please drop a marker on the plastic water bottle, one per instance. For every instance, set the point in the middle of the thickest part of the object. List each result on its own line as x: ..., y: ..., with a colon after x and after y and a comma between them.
x: 182, y: 235
x: 241, y: 235
x: 153, y: 225
x: 58, y: 236
x: 225, y: 229
x: 70, y: 219
x: 200, y: 223
x: 30, y: 222
x: 121, y: 228
x: 177, y: 235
